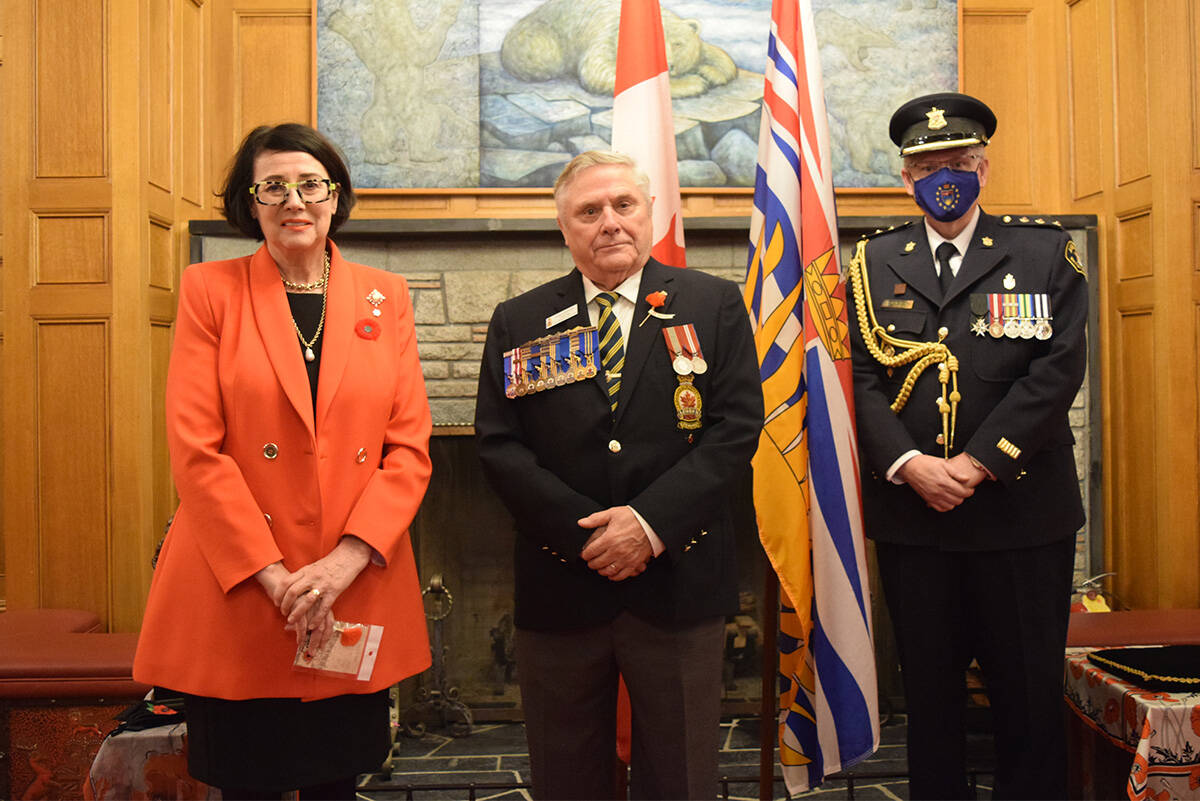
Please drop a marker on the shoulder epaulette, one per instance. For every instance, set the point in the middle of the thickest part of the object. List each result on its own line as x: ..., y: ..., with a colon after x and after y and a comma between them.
x: 1032, y: 222
x: 888, y: 230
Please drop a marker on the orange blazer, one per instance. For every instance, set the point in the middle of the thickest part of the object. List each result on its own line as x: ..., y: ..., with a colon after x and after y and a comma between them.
x: 259, y: 479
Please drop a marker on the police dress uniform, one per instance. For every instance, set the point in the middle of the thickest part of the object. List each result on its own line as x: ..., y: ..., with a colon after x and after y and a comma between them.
x: 989, y: 579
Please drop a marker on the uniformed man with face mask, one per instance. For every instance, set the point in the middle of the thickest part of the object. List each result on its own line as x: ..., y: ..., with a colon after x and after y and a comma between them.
x: 968, y: 333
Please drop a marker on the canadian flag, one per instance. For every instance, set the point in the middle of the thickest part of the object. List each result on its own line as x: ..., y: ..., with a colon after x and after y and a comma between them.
x: 644, y: 129
x: 642, y: 123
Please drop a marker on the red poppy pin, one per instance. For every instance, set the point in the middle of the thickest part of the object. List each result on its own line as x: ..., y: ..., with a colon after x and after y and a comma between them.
x: 656, y: 300
x: 367, y: 328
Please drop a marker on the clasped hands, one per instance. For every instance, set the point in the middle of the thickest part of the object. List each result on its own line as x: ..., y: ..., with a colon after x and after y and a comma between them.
x: 618, y: 547
x: 943, y: 483
x: 305, y: 598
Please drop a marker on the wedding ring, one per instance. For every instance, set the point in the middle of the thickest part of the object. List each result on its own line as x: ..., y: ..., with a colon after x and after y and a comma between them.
x: 315, y: 592
x: 612, y: 565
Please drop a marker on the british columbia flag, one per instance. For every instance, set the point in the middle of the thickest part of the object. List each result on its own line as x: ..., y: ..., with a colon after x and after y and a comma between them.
x: 806, y: 489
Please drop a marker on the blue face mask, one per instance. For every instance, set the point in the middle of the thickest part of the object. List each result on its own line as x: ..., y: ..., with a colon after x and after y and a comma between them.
x: 947, y: 194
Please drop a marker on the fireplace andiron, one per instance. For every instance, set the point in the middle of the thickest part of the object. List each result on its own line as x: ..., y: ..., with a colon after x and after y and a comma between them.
x: 438, y: 706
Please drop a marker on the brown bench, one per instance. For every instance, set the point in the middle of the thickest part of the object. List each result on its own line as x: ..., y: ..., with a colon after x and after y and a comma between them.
x: 61, y: 683
x: 1136, y: 627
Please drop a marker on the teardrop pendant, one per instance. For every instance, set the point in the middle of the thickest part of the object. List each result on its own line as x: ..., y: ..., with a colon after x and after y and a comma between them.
x: 309, y: 355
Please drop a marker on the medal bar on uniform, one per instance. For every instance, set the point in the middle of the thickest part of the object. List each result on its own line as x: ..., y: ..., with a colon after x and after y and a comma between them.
x: 1043, y: 330
x: 683, y: 346
x: 996, y: 323
x: 1011, y: 323
x: 551, y: 361
x: 691, y: 344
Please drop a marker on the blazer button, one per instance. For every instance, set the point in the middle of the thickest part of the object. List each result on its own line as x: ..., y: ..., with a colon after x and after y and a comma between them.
x: 361, y: 456
x: 270, y: 450
x: 614, y: 446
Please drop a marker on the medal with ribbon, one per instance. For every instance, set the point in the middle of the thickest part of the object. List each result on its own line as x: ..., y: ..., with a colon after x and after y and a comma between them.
x: 683, y: 347
x: 551, y: 361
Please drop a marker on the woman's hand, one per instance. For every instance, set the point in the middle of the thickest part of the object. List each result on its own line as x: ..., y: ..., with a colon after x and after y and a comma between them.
x: 311, y: 591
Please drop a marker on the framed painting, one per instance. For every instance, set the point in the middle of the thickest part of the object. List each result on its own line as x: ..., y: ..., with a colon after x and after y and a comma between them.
x: 502, y: 93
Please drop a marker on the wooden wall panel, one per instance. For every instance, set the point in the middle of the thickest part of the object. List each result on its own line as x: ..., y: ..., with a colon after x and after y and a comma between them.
x: 274, y: 69
x: 1087, y: 116
x: 163, y: 488
x: 157, y: 94
x: 69, y: 84
x: 73, y: 465
x: 1133, y: 97
x: 1193, y: 8
x: 996, y: 51
x: 191, y: 49
x: 71, y: 249
x: 162, y: 254
x: 1133, y: 426
x: 1135, y: 245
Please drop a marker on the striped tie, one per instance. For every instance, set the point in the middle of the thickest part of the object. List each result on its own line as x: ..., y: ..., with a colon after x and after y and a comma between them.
x: 612, y: 347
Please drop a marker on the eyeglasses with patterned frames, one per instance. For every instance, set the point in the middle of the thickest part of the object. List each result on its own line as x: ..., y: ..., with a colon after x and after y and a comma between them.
x: 312, y: 190
x: 965, y: 163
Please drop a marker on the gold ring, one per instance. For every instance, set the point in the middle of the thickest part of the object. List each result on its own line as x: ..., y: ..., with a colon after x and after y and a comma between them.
x: 315, y: 592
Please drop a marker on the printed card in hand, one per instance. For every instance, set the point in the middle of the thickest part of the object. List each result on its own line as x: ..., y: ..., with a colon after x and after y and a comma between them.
x: 349, y: 653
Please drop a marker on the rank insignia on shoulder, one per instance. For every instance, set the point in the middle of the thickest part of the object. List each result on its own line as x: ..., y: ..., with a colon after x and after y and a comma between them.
x: 889, y: 230
x: 1072, y: 257
x: 552, y: 361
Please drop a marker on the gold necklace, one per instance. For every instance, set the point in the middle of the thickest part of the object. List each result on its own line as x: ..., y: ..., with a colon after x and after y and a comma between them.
x: 310, y: 286
x: 323, y: 284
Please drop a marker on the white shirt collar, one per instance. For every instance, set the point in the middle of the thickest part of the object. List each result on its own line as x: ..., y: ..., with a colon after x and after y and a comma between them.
x: 627, y: 289
x: 960, y: 242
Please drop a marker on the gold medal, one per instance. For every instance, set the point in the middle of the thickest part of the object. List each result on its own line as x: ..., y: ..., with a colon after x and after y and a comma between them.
x: 688, y: 404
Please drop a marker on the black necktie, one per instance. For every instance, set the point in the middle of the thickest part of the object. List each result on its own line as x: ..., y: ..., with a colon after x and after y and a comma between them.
x: 944, y: 253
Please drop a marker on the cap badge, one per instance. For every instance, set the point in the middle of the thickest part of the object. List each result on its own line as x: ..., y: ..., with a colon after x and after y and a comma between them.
x: 937, y: 118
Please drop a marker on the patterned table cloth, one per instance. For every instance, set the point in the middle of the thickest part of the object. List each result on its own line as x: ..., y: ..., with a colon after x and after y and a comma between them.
x: 1160, y: 729
x: 149, y: 764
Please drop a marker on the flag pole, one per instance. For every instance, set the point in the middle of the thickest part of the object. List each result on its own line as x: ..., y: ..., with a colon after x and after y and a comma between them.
x: 766, y: 715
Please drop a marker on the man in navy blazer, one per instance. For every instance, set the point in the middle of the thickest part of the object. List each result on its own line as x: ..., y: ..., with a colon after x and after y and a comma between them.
x: 625, y: 539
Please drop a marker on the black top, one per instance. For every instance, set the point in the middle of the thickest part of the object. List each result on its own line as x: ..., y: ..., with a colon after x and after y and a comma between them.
x: 306, y: 311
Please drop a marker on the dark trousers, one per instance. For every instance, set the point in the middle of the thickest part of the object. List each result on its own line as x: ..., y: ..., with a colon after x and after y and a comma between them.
x: 569, y: 693
x: 1007, y: 609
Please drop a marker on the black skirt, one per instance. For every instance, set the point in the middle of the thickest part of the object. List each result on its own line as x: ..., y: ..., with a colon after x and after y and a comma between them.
x: 283, y: 744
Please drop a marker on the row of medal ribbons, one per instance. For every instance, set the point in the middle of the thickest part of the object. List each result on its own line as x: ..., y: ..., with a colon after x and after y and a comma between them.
x: 1015, y: 315
x: 552, y: 361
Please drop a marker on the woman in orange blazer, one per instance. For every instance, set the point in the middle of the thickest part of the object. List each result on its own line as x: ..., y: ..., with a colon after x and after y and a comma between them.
x: 299, y: 430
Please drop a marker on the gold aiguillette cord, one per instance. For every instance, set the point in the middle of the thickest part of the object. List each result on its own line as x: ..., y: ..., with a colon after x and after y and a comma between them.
x: 893, y: 351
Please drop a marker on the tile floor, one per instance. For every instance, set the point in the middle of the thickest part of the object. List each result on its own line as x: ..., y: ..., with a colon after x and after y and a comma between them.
x: 495, y: 755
